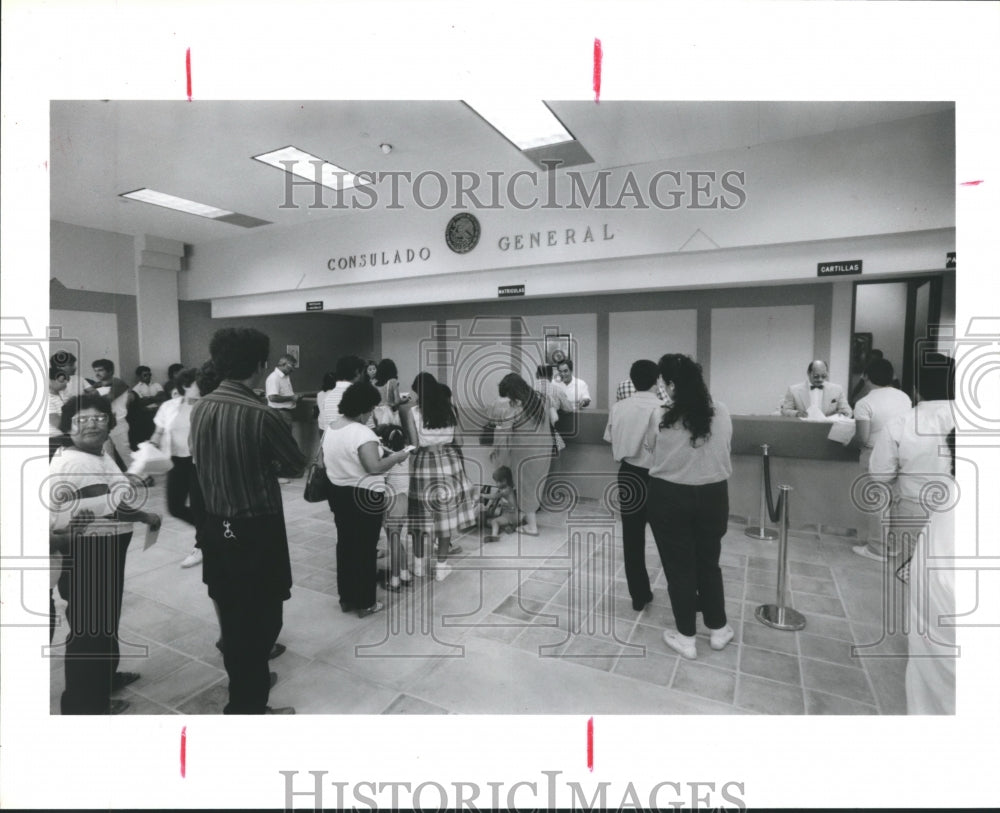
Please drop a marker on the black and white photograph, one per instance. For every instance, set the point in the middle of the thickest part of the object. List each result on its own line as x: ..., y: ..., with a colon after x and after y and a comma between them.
x: 491, y: 436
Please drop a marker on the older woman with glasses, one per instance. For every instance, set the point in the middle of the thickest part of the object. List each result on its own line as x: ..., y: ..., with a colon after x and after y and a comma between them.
x: 86, y: 482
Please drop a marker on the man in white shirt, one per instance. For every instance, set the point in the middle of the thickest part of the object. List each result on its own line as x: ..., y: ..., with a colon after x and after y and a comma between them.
x: 626, y: 430
x: 278, y: 388
x: 817, y: 392
x: 575, y: 389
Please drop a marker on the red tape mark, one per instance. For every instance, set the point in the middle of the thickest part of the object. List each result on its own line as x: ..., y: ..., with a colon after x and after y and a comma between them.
x: 188, y: 63
x: 598, y: 56
x: 971, y: 183
x: 184, y: 737
x: 590, y: 744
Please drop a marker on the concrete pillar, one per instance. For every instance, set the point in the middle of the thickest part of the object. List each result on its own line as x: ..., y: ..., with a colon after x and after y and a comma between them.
x: 157, y: 264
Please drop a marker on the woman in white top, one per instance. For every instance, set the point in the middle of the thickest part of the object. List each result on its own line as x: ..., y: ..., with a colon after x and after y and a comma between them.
x: 688, y: 505
x: 87, y: 482
x: 386, y: 381
x: 173, y: 425
x: 355, y: 468
x: 871, y: 415
x: 442, y: 500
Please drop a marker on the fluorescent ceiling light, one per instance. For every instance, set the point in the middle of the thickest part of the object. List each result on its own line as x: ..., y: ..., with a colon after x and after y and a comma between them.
x: 528, y: 124
x: 173, y: 202
x: 304, y: 165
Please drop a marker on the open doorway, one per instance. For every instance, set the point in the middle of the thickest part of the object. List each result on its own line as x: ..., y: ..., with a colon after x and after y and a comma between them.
x: 891, y: 316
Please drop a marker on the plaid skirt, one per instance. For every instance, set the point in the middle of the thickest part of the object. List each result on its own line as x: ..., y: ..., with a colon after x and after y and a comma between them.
x: 442, y: 499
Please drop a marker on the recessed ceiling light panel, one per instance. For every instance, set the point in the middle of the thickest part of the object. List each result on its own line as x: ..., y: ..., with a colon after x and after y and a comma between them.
x: 305, y: 165
x: 173, y: 202
x: 528, y: 124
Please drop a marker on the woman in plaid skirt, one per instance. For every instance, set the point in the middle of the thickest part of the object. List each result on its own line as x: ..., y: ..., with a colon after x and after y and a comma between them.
x: 442, y: 499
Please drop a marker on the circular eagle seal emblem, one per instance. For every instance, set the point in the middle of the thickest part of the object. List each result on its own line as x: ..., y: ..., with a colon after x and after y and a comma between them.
x: 462, y: 233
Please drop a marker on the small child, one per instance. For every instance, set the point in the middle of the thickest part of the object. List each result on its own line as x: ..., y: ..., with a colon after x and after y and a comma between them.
x: 397, y: 482
x: 501, y: 508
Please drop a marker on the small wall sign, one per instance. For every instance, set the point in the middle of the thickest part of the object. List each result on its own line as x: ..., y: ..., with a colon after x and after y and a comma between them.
x: 836, y: 269
x: 314, y: 306
x: 510, y: 290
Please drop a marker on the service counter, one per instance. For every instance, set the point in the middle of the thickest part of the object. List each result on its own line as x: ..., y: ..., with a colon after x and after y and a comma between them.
x: 820, y: 471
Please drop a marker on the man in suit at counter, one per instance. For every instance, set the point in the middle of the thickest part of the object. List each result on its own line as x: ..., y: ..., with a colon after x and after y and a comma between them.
x: 817, y: 391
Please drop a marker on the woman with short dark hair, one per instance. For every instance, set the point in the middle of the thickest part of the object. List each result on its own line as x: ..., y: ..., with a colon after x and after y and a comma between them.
x: 86, y: 481
x: 356, y: 469
x: 688, y: 503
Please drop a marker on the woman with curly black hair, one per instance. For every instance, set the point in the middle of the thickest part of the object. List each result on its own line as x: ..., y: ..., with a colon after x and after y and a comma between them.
x: 688, y: 504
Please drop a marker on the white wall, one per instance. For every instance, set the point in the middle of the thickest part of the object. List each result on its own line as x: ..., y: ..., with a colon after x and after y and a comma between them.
x: 757, y: 353
x: 842, y: 184
x: 647, y: 334
x: 92, y: 260
x: 88, y: 336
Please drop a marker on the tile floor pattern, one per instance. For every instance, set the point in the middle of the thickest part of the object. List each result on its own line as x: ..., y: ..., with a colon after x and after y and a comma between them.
x: 511, y: 632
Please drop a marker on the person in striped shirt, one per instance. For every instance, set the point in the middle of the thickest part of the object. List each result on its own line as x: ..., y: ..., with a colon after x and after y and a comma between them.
x: 240, y: 448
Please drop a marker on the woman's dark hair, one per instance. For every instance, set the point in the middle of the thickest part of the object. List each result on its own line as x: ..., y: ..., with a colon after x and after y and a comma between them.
x: 515, y: 388
x: 358, y: 399
x: 879, y: 372
x: 935, y: 377
x: 385, y: 371
x: 348, y: 367
x: 185, y: 378
x: 174, y: 368
x: 692, y: 405
x: 503, y: 475
x: 81, y: 402
x: 208, y: 378
x: 392, y: 436
x: 435, y: 402
x: 239, y: 351
x: 329, y: 381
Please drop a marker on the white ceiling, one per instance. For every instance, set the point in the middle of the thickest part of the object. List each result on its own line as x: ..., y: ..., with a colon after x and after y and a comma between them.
x: 202, y: 150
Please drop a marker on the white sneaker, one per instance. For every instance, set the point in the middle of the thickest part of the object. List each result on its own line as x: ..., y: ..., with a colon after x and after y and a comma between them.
x: 862, y: 550
x: 717, y: 639
x: 442, y: 571
x: 681, y: 644
x: 193, y: 558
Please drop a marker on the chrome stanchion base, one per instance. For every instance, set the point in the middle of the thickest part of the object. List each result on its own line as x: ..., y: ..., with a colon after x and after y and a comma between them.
x: 763, y: 534
x: 780, y: 618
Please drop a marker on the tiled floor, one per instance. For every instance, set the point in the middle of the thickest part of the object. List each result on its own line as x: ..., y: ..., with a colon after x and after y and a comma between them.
x: 525, y: 625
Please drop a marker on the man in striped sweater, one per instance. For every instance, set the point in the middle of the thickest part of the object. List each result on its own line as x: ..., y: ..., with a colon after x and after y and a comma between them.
x: 240, y: 448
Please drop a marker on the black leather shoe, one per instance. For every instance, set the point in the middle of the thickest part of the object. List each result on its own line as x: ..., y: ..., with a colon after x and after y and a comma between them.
x: 279, y: 710
x: 118, y: 706
x: 639, y: 606
x: 123, y: 679
x: 274, y: 679
x: 276, y: 650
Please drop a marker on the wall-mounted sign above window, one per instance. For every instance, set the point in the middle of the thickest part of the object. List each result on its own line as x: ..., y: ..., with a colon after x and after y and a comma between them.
x: 510, y: 290
x: 314, y: 306
x: 462, y: 233
x: 950, y: 260
x: 836, y: 269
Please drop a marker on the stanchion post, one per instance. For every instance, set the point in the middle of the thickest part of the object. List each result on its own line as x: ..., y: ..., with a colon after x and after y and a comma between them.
x: 761, y: 532
x: 777, y: 615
